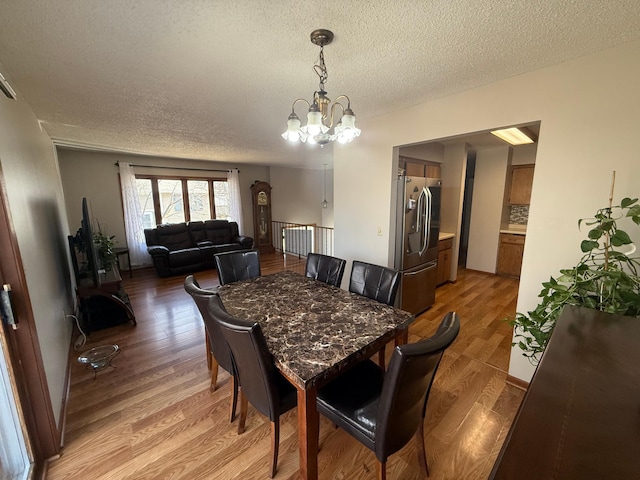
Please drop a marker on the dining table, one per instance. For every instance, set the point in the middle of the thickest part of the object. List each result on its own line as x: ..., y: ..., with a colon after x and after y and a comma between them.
x: 314, y: 331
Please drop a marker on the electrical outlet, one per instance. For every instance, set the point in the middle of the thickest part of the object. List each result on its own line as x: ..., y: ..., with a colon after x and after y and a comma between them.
x: 379, y: 231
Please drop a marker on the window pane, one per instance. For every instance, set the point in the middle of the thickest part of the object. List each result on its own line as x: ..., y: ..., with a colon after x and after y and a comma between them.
x: 221, y: 199
x: 199, y: 206
x: 170, y: 192
x: 146, y: 202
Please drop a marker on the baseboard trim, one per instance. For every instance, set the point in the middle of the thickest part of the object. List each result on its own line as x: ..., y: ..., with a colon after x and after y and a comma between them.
x: 517, y: 382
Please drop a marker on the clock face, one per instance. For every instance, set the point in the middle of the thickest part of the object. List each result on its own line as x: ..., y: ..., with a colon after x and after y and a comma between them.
x: 262, y: 198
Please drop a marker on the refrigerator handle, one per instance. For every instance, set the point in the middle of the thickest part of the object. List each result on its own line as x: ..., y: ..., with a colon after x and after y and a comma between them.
x: 418, y: 212
x: 427, y: 224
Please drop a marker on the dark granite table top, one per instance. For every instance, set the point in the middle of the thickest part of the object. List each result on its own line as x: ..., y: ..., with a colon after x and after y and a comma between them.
x: 313, y: 329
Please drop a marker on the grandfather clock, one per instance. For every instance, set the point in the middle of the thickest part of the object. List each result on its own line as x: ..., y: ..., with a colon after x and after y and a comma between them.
x: 261, y: 196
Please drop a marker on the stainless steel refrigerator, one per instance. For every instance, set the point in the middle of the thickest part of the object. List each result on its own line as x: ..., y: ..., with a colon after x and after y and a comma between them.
x: 416, y: 247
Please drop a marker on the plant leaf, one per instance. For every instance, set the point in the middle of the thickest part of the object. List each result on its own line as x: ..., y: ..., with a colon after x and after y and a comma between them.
x: 595, y: 233
x: 627, y: 202
x: 588, y: 245
x: 620, y: 238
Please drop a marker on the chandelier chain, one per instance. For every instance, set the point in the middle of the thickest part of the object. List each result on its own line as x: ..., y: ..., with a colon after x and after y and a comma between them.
x: 321, y: 70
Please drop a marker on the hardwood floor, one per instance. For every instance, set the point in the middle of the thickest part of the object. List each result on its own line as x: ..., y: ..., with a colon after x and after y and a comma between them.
x: 154, y: 416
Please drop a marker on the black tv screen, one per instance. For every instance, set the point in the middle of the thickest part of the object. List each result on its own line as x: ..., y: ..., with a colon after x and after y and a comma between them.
x: 90, y: 248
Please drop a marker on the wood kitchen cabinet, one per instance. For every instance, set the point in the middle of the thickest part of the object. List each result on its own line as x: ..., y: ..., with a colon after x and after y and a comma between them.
x: 521, y: 183
x: 414, y: 169
x: 445, y: 250
x: 510, y: 253
x: 420, y: 168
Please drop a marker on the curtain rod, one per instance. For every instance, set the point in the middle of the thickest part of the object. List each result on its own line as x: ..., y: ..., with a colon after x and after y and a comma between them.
x: 179, y: 168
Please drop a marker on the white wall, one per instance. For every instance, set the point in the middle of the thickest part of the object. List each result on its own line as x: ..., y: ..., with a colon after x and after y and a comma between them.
x: 486, y: 208
x: 431, y: 152
x: 453, y: 172
x: 297, y: 195
x: 36, y: 207
x: 524, y: 154
x: 94, y: 175
x: 588, y: 108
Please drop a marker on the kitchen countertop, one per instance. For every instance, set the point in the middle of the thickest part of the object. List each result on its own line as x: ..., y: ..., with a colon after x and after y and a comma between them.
x: 513, y: 231
x: 445, y: 236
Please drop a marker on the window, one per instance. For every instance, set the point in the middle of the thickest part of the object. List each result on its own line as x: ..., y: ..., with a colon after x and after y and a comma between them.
x: 221, y: 199
x: 145, y: 197
x: 180, y: 199
x: 170, y: 193
x: 199, y: 199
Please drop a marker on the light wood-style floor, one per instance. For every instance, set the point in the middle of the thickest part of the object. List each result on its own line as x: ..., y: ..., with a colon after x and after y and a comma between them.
x: 154, y: 416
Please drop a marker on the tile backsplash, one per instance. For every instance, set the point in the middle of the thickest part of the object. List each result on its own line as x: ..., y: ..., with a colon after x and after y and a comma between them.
x: 519, y: 214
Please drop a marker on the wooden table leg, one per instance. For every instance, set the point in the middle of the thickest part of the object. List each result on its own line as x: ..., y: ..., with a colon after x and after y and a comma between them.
x: 403, y: 337
x: 308, y: 433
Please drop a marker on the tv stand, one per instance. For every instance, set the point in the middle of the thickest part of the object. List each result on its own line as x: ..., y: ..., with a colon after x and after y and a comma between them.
x: 108, y: 298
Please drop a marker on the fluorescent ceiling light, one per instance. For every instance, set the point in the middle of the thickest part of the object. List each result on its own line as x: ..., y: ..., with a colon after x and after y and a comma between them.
x: 514, y: 136
x: 6, y: 88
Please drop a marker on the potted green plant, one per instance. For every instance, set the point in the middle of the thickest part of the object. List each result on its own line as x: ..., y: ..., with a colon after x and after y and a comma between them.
x: 104, y: 245
x: 605, y: 278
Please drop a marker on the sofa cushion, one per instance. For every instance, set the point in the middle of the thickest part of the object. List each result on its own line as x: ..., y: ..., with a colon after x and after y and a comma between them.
x: 181, y: 258
x: 196, y: 229
x: 174, y: 236
x: 207, y: 252
x: 227, y: 247
x: 218, y: 231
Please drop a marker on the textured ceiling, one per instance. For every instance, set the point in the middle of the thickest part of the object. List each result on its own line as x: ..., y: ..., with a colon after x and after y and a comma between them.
x: 215, y: 80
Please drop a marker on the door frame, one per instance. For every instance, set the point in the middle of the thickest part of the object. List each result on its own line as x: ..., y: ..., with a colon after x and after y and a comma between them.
x: 24, y: 347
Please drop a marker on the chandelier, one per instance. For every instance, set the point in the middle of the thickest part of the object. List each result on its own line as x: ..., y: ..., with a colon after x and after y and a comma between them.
x: 319, y: 129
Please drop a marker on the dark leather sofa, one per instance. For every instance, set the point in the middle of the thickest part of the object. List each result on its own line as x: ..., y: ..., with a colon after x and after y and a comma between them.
x: 179, y: 248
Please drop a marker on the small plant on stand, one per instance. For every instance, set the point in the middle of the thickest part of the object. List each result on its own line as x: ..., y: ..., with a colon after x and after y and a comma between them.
x: 604, y: 279
x: 104, y: 245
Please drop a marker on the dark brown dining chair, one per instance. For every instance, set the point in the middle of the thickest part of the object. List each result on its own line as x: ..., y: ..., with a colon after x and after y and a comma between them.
x: 376, y: 282
x: 325, y: 268
x: 218, y: 352
x: 384, y: 410
x: 236, y: 266
x: 261, y: 383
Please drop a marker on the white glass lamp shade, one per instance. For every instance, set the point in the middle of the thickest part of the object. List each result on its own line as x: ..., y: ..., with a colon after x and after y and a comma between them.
x: 346, y: 130
x: 314, y: 123
x: 293, y: 129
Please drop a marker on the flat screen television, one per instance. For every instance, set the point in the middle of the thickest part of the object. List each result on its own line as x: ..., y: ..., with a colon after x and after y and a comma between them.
x: 90, y: 248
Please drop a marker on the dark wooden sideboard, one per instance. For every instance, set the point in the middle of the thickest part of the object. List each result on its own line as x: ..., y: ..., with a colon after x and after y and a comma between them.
x: 107, y: 304
x: 580, y: 417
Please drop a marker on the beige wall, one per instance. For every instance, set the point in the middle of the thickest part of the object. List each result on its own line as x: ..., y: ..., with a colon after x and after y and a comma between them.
x: 31, y: 183
x: 524, y: 154
x: 588, y: 109
x: 298, y: 193
x: 453, y: 171
x: 486, y: 208
x: 94, y: 175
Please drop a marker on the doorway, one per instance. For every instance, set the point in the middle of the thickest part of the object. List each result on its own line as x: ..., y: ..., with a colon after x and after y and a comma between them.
x: 475, y: 169
x: 16, y: 454
x: 466, y: 209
